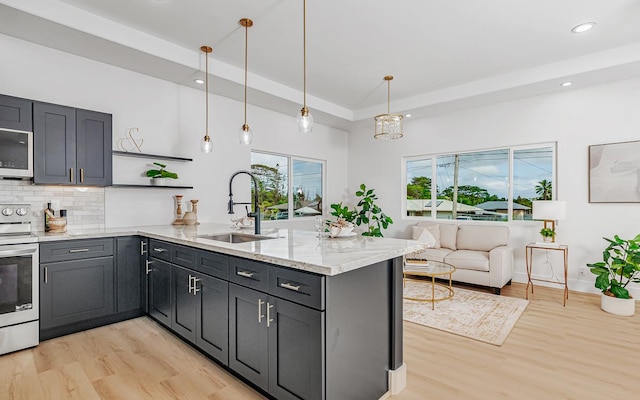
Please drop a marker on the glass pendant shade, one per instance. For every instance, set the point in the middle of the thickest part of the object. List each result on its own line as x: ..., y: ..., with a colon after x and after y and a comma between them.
x: 305, y: 121
x: 245, y: 135
x: 206, y: 146
x: 388, y: 126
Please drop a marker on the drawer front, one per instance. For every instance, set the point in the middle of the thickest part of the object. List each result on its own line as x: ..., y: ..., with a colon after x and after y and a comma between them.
x: 183, y: 256
x: 161, y: 250
x: 213, y: 264
x: 300, y: 287
x: 68, y: 250
x: 248, y: 273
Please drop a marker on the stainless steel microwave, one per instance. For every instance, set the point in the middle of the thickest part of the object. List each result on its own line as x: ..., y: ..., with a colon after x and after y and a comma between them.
x: 16, y: 154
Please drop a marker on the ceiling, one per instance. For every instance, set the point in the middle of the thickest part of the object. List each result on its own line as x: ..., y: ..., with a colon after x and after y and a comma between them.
x: 444, y: 55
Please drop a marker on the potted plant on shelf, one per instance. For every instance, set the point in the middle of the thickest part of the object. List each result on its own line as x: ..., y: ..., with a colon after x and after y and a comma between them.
x: 159, y: 175
x: 620, y: 266
x: 366, y: 212
x: 548, y: 234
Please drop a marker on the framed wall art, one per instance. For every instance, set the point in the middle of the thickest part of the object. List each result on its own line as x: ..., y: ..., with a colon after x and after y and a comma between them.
x: 614, y: 173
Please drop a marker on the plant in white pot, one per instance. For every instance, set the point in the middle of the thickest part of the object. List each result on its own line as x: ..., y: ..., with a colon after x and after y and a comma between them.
x: 620, y: 266
x: 159, y: 176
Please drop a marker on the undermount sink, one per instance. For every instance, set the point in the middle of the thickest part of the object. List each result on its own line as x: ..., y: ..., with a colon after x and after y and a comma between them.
x: 235, y: 237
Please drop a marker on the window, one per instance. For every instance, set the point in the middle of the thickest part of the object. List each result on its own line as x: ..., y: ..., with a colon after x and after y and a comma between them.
x: 489, y: 185
x: 289, y: 187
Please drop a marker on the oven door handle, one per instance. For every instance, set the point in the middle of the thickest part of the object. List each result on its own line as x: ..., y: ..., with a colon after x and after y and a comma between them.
x: 10, y: 253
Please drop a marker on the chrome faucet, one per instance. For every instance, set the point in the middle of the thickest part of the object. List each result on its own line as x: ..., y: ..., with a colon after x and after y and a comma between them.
x: 256, y: 207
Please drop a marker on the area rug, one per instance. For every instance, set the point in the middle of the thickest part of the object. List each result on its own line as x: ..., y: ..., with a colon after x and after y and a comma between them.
x: 477, y: 315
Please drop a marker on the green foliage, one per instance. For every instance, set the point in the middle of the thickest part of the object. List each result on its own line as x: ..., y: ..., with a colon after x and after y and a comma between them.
x: 547, y: 232
x: 366, y: 212
x: 419, y: 188
x: 470, y: 195
x: 272, y: 189
x: 161, y: 173
x: 544, y: 190
x: 620, y: 266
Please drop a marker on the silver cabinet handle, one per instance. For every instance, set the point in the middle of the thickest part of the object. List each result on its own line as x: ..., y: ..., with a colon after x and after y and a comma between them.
x: 143, y: 250
x: 260, y: 316
x: 195, y: 285
x: 78, y: 250
x: 159, y: 250
x: 146, y: 266
x: 245, y: 274
x: 269, y: 319
x: 289, y: 286
x: 46, y: 274
x: 190, y: 283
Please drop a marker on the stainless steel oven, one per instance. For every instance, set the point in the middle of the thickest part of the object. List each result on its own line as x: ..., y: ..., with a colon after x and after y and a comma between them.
x: 16, y: 154
x: 19, y: 290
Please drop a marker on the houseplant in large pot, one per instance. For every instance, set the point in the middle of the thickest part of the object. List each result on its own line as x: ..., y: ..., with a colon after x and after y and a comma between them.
x: 620, y: 266
x: 366, y: 212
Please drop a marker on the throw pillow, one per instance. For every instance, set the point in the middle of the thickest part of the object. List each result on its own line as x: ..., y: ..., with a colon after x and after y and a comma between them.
x: 421, y: 234
x: 435, y: 232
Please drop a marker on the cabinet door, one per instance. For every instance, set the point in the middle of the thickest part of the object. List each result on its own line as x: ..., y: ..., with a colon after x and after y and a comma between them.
x: 75, y: 291
x: 184, y: 303
x: 54, y: 144
x: 159, y: 286
x: 296, y: 351
x: 93, y: 148
x: 15, y: 113
x: 130, y: 286
x: 248, y: 351
x: 213, y: 317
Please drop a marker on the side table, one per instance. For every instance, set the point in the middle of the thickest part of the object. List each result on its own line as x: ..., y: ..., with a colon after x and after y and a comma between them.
x: 529, y: 256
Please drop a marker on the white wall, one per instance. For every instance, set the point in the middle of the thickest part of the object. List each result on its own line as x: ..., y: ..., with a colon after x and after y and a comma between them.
x: 171, y: 119
x: 575, y: 119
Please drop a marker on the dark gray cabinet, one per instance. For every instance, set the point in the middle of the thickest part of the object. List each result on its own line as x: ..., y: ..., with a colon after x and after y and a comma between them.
x: 15, y: 113
x: 159, y: 287
x: 183, y: 303
x: 75, y: 291
x: 71, y: 146
x: 130, y: 285
x: 276, y: 344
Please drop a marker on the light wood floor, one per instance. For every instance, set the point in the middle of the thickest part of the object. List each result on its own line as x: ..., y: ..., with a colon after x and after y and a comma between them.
x: 577, y: 352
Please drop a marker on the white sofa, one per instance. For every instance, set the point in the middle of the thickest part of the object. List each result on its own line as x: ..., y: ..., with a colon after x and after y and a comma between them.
x: 480, y: 253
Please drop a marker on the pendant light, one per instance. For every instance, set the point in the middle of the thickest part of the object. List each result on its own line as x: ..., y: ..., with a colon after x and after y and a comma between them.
x: 245, y: 135
x: 205, y: 144
x: 388, y: 126
x: 305, y: 119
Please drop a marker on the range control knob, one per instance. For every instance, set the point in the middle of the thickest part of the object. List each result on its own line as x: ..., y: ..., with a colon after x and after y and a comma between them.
x: 7, y: 211
x: 21, y: 211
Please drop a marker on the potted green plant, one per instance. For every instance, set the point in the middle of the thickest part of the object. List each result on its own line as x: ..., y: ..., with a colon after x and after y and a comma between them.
x: 159, y: 175
x: 366, y: 212
x: 620, y: 266
x: 548, y: 234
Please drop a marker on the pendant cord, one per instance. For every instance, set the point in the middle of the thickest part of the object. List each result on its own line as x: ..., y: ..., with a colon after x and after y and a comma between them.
x: 246, y: 45
x: 206, y: 92
x: 388, y: 96
x: 304, y: 46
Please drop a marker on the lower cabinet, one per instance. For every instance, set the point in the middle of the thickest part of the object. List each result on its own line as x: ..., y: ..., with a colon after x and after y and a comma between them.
x: 75, y: 291
x: 159, y: 288
x: 276, y: 344
x: 130, y: 286
x: 200, y: 311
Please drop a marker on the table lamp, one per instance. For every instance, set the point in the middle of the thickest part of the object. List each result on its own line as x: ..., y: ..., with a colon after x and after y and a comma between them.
x: 549, y: 211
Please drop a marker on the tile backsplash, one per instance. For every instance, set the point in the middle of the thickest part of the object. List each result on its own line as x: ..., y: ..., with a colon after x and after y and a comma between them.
x: 84, y: 205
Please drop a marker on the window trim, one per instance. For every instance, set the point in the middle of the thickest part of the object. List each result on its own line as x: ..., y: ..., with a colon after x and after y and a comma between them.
x: 290, y: 189
x: 434, y: 183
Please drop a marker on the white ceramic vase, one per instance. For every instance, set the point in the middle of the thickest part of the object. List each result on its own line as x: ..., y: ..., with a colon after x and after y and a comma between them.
x: 159, y: 181
x: 616, y: 306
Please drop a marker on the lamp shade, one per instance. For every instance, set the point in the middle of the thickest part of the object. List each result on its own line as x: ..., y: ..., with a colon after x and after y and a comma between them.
x: 552, y: 210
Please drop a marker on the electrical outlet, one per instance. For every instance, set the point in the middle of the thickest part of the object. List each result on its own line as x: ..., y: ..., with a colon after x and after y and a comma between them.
x: 582, y: 271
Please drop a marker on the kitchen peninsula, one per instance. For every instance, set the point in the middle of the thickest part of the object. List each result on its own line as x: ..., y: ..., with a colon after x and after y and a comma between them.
x: 295, y: 315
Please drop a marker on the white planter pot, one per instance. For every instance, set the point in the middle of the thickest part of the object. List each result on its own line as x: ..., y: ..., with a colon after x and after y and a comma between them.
x: 159, y: 181
x: 616, y: 306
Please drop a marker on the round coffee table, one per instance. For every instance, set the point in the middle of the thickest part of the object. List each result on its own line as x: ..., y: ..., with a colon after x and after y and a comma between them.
x: 431, y: 269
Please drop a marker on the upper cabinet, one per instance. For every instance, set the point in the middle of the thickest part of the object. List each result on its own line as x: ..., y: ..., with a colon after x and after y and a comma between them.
x: 15, y: 113
x: 71, y: 146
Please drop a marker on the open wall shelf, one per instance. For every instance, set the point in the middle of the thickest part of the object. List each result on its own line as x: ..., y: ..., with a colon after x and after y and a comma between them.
x: 127, y: 185
x: 148, y: 155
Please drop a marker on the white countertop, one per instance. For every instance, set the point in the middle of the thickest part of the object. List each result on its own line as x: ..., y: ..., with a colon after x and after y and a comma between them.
x: 290, y: 247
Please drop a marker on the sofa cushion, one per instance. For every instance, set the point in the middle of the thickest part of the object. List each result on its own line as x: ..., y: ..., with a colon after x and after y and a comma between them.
x: 448, y: 236
x: 482, y: 237
x: 433, y: 254
x: 469, y: 259
x: 422, y: 234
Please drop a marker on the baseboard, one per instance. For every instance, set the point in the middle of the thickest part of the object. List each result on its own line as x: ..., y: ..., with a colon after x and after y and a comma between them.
x: 397, y: 380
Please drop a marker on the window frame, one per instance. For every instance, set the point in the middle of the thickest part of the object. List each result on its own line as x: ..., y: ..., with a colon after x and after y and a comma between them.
x: 290, y: 189
x: 434, y: 181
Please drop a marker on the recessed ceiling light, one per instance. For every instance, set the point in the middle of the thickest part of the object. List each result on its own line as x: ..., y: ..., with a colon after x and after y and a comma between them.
x: 583, y: 27
x: 199, y: 81
x: 407, y: 115
x: 565, y: 84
